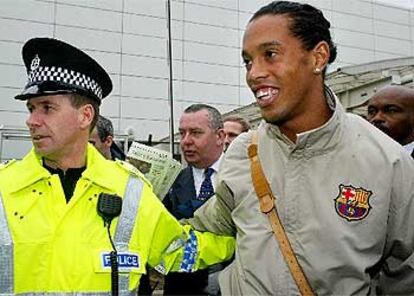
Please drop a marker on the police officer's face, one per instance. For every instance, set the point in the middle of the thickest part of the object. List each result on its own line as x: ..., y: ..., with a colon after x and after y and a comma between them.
x: 56, y: 127
x: 279, y: 71
x: 201, y: 145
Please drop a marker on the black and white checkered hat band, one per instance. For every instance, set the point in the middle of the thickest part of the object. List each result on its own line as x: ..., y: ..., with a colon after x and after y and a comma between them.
x: 65, y: 76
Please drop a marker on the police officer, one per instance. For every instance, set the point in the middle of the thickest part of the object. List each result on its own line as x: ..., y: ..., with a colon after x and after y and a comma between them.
x: 51, y: 236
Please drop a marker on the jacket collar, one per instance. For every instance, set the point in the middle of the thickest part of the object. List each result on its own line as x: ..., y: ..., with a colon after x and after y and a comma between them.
x: 97, y: 167
x: 31, y: 170
x: 324, y: 137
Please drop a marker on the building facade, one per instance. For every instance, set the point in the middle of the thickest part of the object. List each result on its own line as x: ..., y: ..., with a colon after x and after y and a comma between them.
x: 130, y: 39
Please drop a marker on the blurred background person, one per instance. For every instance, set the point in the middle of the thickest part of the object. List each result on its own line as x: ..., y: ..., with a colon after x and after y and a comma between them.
x: 391, y: 110
x: 102, y: 137
x: 234, y: 125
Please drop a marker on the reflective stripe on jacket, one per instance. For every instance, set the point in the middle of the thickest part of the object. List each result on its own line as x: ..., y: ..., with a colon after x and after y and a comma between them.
x: 6, y: 254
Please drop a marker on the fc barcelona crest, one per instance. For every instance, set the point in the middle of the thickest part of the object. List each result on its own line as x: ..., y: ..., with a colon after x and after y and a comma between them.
x: 352, y: 203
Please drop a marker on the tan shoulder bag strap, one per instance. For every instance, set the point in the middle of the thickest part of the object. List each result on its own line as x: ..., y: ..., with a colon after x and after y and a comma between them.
x: 268, y: 207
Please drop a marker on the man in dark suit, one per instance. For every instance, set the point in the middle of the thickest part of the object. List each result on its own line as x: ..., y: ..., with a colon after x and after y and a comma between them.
x: 201, y: 140
x: 391, y: 110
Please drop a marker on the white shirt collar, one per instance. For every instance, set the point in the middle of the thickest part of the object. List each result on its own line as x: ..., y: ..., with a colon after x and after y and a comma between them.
x: 198, y: 174
x: 216, y: 165
x: 409, y: 147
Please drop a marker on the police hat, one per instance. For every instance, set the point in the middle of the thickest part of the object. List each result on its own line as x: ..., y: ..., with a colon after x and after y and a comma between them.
x: 55, y: 67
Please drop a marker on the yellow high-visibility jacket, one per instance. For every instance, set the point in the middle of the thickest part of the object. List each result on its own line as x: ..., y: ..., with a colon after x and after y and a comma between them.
x: 48, y: 245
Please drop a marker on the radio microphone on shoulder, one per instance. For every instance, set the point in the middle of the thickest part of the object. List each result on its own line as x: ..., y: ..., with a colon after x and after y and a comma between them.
x: 109, y: 207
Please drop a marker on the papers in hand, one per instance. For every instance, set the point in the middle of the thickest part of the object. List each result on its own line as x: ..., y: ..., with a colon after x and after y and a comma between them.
x: 157, y: 165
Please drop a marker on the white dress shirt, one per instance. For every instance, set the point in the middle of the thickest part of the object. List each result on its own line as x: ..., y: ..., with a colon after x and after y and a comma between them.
x: 199, y: 174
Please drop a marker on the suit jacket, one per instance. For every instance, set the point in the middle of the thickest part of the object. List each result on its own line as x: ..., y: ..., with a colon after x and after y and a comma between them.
x: 181, y: 199
x: 181, y: 202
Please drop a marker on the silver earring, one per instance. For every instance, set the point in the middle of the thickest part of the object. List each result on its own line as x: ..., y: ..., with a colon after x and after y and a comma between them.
x: 317, y: 71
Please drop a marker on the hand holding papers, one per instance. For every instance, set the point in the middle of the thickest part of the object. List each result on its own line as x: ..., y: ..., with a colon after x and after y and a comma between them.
x: 157, y: 165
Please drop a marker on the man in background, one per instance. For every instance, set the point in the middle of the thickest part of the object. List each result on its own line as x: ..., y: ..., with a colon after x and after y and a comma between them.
x: 201, y: 140
x: 391, y: 110
x: 234, y: 125
x: 102, y: 137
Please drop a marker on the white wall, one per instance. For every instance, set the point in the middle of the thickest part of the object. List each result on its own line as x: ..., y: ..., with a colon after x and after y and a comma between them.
x: 129, y: 38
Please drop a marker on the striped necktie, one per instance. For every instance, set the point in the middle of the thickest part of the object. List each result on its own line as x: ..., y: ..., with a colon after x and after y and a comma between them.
x: 206, y: 189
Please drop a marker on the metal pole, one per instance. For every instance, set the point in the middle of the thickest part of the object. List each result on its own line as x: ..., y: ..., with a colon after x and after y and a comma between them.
x: 170, y: 80
x: 1, y: 146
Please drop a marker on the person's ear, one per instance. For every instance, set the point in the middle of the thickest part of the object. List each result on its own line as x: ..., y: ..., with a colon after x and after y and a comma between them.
x: 108, y: 141
x: 320, y: 57
x: 221, y: 136
x: 86, y: 115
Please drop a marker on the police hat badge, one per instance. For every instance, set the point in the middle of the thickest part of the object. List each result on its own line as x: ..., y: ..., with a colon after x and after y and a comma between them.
x: 55, y: 67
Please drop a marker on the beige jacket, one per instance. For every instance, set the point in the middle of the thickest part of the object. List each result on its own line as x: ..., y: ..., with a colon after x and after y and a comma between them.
x: 345, y: 195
